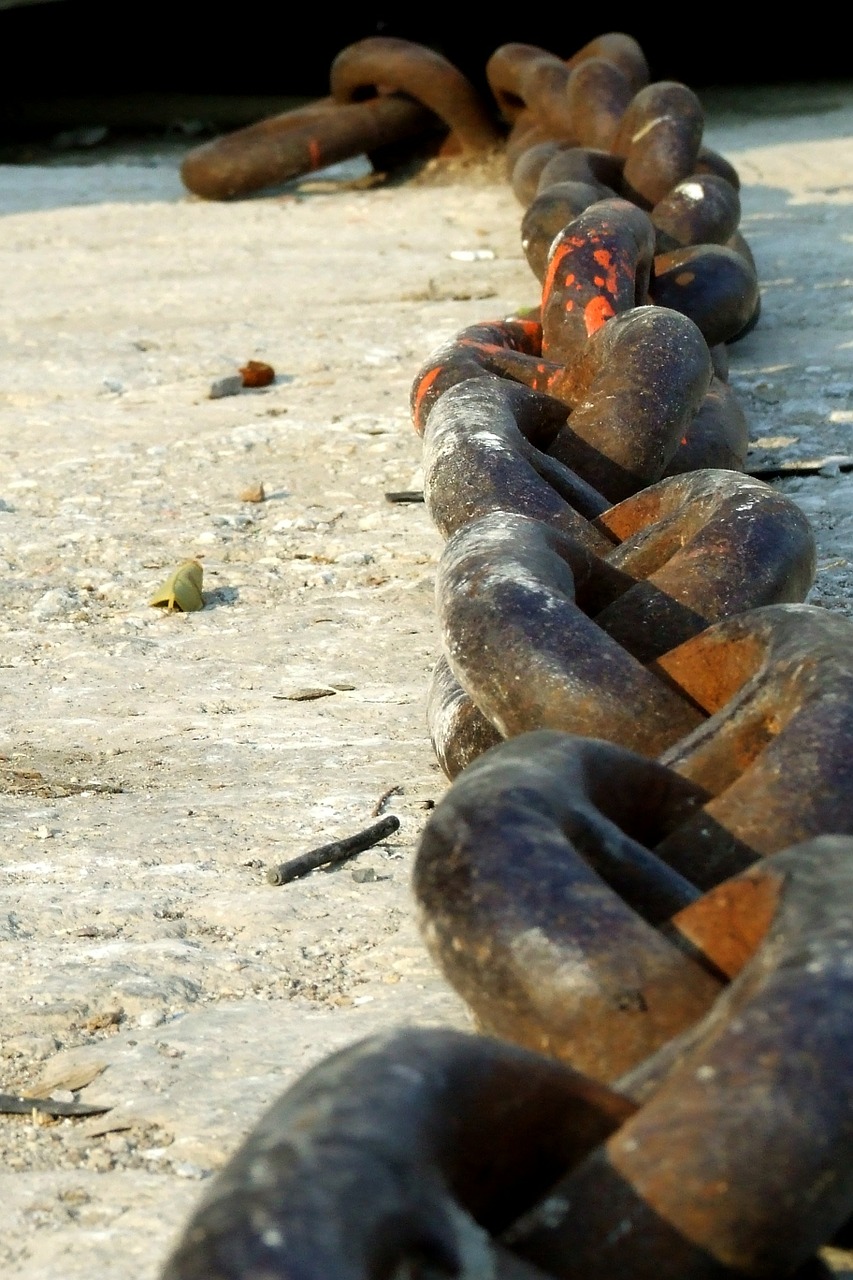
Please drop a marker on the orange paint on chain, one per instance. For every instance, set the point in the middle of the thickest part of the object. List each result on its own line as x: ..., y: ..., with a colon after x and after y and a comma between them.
x: 533, y: 330
x: 570, y: 305
x: 596, y: 311
x: 423, y: 387
x: 604, y: 258
x: 554, y: 266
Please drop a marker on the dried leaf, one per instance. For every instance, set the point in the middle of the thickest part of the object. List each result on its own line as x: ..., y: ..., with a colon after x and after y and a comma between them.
x: 257, y: 373
x: 182, y: 591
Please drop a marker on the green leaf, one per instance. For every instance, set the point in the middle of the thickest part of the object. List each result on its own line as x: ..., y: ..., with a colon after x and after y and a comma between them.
x: 182, y: 591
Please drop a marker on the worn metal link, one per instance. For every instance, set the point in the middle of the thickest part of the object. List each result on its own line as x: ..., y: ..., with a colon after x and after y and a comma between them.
x: 351, y: 1173
x: 640, y: 716
x: 431, y: 1149
x: 545, y: 627
x: 297, y: 142
x: 381, y: 65
x: 383, y: 92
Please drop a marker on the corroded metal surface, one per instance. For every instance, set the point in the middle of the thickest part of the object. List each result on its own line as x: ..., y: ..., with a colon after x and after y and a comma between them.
x: 297, y: 142
x: 430, y: 1148
x: 383, y: 91
x: 351, y: 1172
x: 384, y: 64
x: 640, y: 717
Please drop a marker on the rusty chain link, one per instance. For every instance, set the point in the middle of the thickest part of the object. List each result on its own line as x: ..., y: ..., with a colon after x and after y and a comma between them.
x: 640, y: 879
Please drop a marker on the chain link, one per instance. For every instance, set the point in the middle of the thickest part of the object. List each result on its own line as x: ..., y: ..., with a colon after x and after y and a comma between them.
x: 630, y: 881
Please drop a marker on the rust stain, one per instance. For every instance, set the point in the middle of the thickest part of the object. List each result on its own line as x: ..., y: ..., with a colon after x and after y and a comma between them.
x: 728, y: 923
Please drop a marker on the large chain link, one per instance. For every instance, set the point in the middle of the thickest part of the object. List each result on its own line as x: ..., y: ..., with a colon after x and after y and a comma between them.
x: 641, y: 717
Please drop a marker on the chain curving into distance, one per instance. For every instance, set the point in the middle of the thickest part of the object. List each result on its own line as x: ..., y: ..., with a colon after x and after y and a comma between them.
x: 641, y: 877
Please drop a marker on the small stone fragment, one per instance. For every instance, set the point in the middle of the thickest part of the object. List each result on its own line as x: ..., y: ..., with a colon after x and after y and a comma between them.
x: 363, y: 875
x: 34, y: 1047
x: 100, y: 1021
x: 150, y: 1018
x: 472, y: 255
x: 232, y: 385
x: 253, y: 493
x: 66, y: 1075
x: 59, y: 602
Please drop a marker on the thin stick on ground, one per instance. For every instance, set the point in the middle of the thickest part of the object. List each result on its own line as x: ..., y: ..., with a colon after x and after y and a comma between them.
x: 338, y: 851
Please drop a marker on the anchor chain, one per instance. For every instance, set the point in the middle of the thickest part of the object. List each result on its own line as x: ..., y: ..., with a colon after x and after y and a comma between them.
x: 640, y: 878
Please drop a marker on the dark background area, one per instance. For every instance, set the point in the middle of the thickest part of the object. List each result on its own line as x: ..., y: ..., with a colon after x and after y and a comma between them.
x: 61, y: 55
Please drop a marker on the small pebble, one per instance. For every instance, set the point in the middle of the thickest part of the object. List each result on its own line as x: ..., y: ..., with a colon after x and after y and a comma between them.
x: 35, y: 1047
x: 99, y: 1160
x: 472, y: 255
x: 230, y: 386
x: 354, y: 557
x: 150, y: 1018
x: 253, y: 493
x: 363, y: 875
x: 234, y: 520
x: 56, y: 603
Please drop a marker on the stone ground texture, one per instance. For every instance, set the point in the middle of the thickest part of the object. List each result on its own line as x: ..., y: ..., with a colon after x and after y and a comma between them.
x: 152, y: 766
